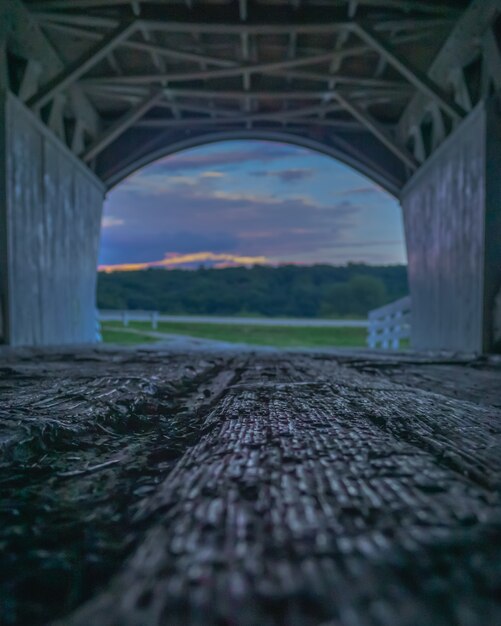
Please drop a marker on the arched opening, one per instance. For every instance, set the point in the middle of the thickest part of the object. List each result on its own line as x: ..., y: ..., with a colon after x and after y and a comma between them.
x: 269, y: 230
x: 341, y: 151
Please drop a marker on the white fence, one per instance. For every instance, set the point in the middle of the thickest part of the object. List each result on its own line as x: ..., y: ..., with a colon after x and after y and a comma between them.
x: 154, y: 316
x: 389, y: 324
x: 130, y: 316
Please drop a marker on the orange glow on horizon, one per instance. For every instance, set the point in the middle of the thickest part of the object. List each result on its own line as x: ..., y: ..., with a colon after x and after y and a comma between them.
x: 174, y: 259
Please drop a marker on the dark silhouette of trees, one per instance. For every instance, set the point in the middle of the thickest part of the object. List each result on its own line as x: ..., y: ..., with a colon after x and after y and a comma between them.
x: 290, y: 290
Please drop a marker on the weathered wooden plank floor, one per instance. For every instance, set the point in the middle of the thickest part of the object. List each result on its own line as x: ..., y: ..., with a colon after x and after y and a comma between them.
x: 262, y: 489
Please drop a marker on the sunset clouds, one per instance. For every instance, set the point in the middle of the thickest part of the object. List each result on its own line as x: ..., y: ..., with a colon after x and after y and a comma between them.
x: 259, y: 200
x: 173, y: 260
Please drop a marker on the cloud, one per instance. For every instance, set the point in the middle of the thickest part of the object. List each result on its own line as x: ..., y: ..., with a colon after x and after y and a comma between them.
x: 187, y: 204
x: 257, y: 234
x: 239, y: 196
x: 110, y: 221
x: 190, y: 218
x: 372, y: 189
x: 157, y: 184
x: 286, y: 176
x: 210, y: 174
x: 137, y: 243
x: 369, y: 244
x: 173, y: 259
x: 263, y: 152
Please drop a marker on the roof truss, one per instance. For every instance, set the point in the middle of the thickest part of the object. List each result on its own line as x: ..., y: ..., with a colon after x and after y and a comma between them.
x: 342, y: 66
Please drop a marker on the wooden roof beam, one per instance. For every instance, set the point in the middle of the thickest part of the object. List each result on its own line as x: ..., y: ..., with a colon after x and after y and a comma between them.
x: 377, y: 130
x: 172, y: 105
x: 35, y: 45
x: 136, y: 93
x: 226, y: 94
x: 113, y: 63
x: 352, y: 8
x: 369, y: 96
x: 242, y: 8
x: 146, y: 79
x: 246, y: 119
x: 435, y: 8
x: 214, y: 28
x: 413, y: 75
x: 301, y: 112
x: 459, y: 49
x: 76, y: 69
x: 239, y: 70
x: 122, y: 124
x: 269, y: 27
x: 157, y: 60
x: 493, y: 58
x: 144, y: 47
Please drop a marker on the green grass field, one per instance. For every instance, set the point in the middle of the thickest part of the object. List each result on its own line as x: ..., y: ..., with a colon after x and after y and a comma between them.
x: 278, y: 336
x: 119, y: 335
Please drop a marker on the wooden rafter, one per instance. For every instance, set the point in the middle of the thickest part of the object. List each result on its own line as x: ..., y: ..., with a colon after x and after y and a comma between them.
x: 292, y: 113
x: 31, y: 77
x: 245, y: 119
x: 268, y: 94
x: 72, y: 73
x: 121, y: 125
x: 341, y: 79
x: 461, y: 46
x: 148, y: 48
x: 377, y: 130
x: 184, y: 55
x: 269, y: 27
x: 492, y: 55
x: 31, y: 43
x: 413, y: 75
x: 419, y: 6
x: 239, y: 70
x: 134, y: 93
x: 240, y: 64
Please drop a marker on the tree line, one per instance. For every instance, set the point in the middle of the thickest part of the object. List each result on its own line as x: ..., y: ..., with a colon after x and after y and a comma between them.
x: 290, y: 290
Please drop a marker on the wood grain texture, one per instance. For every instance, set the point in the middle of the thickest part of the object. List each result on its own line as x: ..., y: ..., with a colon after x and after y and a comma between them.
x: 52, y: 220
x: 253, y: 489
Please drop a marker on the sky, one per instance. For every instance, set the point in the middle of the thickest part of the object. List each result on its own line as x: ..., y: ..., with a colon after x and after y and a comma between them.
x: 249, y: 202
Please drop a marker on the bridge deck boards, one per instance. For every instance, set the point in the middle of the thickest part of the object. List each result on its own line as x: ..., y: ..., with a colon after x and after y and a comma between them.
x: 141, y: 487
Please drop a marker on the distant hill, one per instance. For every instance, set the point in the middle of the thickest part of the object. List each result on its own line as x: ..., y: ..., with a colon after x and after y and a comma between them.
x: 291, y: 290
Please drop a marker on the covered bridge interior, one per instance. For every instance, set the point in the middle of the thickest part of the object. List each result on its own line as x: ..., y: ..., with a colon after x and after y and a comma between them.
x: 151, y: 486
x: 404, y: 91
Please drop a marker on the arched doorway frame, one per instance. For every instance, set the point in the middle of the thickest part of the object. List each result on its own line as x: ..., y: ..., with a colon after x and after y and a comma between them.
x: 373, y: 173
